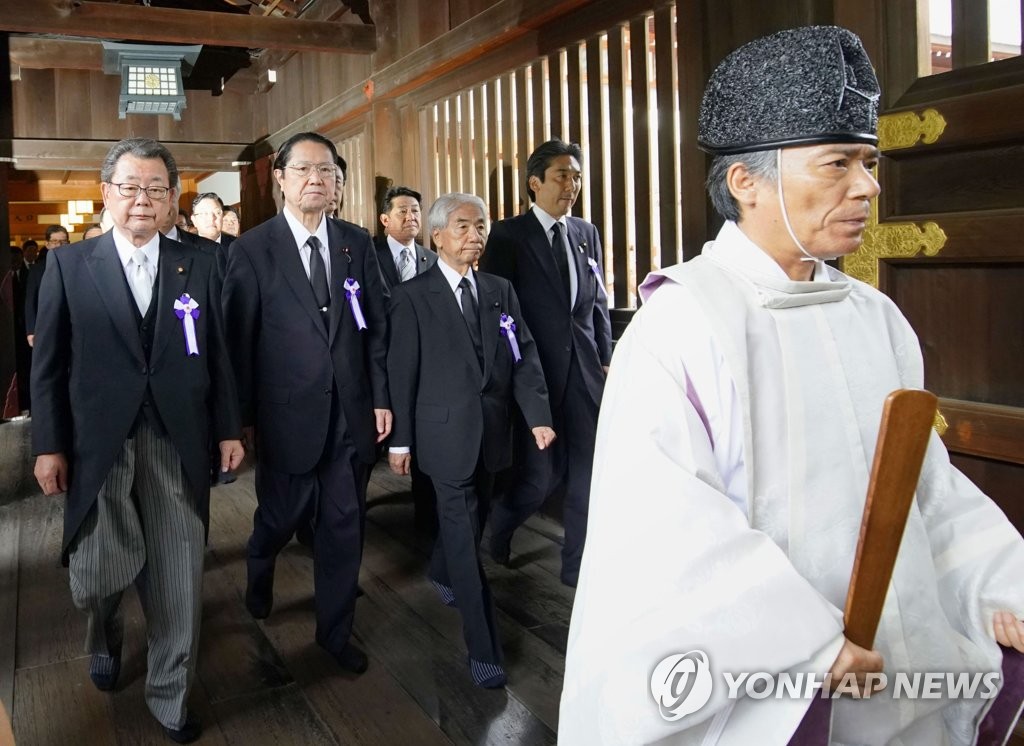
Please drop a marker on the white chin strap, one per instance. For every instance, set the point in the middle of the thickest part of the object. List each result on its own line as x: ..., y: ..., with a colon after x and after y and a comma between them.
x: 807, y: 256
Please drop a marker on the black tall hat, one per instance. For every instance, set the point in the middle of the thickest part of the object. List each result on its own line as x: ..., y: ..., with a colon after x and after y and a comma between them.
x: 798, y: 87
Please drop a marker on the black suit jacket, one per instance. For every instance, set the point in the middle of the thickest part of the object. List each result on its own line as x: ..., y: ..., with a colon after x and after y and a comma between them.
x: 33, y: 281
x: 286, y: 361
x: 223, y: 250
x: 425, y: 259
x: 445, y: 407
x: 203, y: 244
x: 519, y: 250
x: 89, y: 371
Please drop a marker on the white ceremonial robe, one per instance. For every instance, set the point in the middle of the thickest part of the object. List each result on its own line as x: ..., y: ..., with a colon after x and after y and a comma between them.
x: 734, y: 446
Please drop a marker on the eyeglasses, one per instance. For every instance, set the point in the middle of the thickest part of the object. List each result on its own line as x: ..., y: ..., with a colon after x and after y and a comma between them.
x: 59, y: 241
x: 132, y: 190
x: 326, y: 170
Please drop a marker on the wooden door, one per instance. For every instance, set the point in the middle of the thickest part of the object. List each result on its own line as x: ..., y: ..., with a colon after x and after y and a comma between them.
x: 948, y: 245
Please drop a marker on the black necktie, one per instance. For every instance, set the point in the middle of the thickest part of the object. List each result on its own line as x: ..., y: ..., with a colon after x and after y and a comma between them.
x: 558, y: 246
x: 472, y: 318
x: 318, y: 274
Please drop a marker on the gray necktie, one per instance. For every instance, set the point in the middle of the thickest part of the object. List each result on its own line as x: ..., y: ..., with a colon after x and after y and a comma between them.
x: 140, y: 281
x: 406, y: 265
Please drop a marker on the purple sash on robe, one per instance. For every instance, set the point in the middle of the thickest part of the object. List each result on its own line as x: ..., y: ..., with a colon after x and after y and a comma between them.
x: 995, y: 728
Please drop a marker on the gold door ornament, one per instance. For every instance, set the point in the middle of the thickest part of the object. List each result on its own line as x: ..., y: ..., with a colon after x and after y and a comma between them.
x: 904, y: 130
x: 898, y: 240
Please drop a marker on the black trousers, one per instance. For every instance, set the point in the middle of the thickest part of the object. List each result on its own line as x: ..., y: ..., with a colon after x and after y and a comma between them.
x: 455, y: 562
x: 333, y: 493
x: 569, y: 460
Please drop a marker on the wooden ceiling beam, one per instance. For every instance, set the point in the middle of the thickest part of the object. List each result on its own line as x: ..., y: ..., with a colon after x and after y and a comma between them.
x: 170, y: 25
x: 79, y: 155
x: 38, y: 53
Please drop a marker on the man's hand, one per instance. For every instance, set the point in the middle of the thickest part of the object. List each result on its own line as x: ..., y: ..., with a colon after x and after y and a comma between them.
x: 52, y: 473
x: 400, y: 463
x: 1008, y: 628
x: 31, y: 339
x: 544, y: 436
x: 605, y: 368
x: 383, y: 423
x: 856, y: 661
x: 231, y: 454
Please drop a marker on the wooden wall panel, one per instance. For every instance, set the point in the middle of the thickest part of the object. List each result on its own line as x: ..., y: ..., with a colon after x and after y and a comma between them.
x: 493, y: 150
x: 556, y: 75
x: 540, y: 131
x: 641, y: 145
x: 508, y: 189
x: 480, y: 146
x: 968, y: 179
x: 35, y: 105
x: 82, y: 105
x: 665, y: 87
x: 1001, y: 481
x: 975, y: 309
x: 616, y: 240
x: 593, y: 166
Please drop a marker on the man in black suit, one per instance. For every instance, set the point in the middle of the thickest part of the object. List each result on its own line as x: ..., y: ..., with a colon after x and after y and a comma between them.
x: 130, y: 367
x: 310, y: 354
x: 401, y: 258
x: 459, y: 355
x: 554, y: 262
x: 207, y: 217
x: 56, y: 236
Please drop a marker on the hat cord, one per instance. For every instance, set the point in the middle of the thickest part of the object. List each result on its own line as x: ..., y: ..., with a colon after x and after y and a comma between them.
x: 807, y: 256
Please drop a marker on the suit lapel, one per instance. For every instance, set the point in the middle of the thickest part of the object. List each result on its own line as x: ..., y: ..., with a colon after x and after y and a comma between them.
x: 108, y: 274
x: 442, y: 301
x: 286, y: 256
x: 490, y: 314
x: 172, y: 281
x: 341, y: 261
x: 422, y: 260
x: 580, y: 256
x: 387, y: 263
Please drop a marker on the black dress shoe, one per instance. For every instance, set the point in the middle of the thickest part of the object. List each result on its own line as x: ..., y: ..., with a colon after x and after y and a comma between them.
x: 351, y: 659
x: 187, y: 733
x: 259, y: 595
x: 104, y: 670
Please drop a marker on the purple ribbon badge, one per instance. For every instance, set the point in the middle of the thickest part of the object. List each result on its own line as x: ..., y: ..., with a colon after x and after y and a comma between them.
x: 352, y: 294
x: 507, y: 326
x: 187, y: 309
x: 597, y: 273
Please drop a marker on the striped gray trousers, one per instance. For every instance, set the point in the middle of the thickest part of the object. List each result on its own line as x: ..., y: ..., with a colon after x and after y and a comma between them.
x: 145, y: 529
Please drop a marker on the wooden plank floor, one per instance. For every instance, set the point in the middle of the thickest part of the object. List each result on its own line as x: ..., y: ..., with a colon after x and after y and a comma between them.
x: 267, y: 682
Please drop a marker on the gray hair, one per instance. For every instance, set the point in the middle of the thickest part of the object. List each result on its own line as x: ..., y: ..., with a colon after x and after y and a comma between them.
x: 443, y: 207
x: 139, y: 147
x: 762, y: 164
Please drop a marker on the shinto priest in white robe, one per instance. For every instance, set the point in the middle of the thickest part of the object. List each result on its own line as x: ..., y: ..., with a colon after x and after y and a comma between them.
x: 734, y: 446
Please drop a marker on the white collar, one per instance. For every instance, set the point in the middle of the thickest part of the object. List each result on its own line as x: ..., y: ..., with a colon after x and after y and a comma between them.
x: 301, y: 232
x: 126, y: 249
x: 547, y: 221
x: 453, y: 277
x: 396, y: 247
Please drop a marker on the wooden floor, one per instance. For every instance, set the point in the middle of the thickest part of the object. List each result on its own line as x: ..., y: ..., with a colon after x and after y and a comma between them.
x: 267, y: 682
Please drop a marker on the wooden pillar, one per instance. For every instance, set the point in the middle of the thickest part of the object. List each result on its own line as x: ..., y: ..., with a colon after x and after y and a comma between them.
x: 7, y: 361
x: 259, y: 197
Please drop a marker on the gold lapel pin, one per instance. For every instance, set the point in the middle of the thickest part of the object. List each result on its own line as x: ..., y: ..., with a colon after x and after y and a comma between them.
x: 181, y: 270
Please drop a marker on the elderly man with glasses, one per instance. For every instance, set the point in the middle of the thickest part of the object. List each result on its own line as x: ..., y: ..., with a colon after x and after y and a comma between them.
x: 131, y: 382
